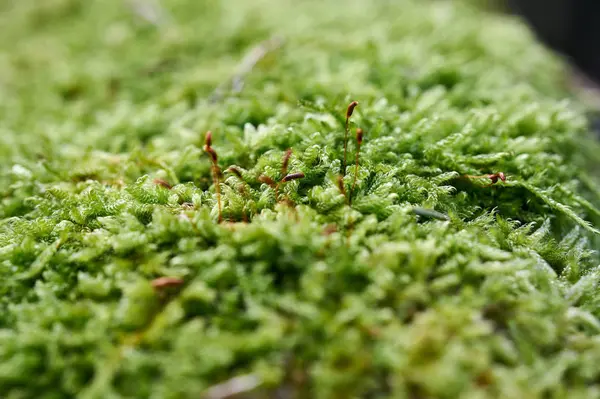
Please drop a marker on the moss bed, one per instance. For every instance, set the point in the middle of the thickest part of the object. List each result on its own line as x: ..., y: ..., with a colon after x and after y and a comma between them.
x: 419, y: 282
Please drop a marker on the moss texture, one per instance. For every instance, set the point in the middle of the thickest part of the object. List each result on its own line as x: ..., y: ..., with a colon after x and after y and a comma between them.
x: 105, y: 187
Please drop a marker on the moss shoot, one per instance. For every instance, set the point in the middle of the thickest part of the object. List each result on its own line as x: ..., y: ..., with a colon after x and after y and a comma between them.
x: 453, y: 256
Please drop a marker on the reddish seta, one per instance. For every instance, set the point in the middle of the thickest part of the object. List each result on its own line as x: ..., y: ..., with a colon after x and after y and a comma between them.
x: 164, y: 282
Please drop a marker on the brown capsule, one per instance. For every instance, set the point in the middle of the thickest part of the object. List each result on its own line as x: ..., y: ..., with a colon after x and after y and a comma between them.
x: 286, y: 161
x: 208, y: 139
x: 340, y: 183
x: 293, y: 176
x: 267, y: 180
x: 350, y: 109
x: 212, y: 153
x: 359, y: 136
x: 235, y: 171
x: 163, y: 282
x: 163, y: 183
x: 495, y: 176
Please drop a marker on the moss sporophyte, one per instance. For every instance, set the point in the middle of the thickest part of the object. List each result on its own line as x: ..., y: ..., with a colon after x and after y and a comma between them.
x: 438, y: 240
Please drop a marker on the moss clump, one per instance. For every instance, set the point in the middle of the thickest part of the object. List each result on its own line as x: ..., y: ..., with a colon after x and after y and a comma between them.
x: 105, y: 187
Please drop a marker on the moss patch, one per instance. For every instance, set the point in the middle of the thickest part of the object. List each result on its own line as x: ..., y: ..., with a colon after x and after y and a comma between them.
x: 302, y: 291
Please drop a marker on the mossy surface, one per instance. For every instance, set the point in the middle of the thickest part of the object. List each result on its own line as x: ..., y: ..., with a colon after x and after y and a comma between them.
x: 306, y: 296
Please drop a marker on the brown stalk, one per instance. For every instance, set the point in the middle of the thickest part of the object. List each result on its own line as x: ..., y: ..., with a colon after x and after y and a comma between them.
x: 236, y: 172
x: 267, y: 180
x: 349, y: 112
x: 163, y: 183
x: 216, y: 172
x: 340, y: 183
x: 286, y: 162
x: 359, y: 140
x: 163, y: 282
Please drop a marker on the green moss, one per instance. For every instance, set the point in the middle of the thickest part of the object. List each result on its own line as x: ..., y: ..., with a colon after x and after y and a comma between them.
x: 312, y: 296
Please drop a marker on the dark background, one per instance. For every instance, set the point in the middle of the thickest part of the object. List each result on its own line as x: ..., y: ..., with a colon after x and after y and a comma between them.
x: 571, y: 27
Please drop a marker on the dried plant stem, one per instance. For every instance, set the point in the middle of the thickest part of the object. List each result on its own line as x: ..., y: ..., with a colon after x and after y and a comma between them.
x: 286, y: 162
x: 254, y: 56
x: 349, y: 112
x: 216, y: 172
x: 340, y: 184
x: 359, y: 140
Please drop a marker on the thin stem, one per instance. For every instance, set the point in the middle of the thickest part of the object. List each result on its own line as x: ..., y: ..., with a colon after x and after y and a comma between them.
x: 163, y: 183
x: 345, y: 147
x: 286, y: 162
x: 215, y: 170
x: 340, y: 183
x: 218, y: 190
x: 349, y: 112
x: 359, y: 139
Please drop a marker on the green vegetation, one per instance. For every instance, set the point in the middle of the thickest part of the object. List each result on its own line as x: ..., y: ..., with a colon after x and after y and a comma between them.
x: 418, y: 283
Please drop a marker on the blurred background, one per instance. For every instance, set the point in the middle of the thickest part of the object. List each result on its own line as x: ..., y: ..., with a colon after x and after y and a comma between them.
x: 76, y: 57
x: 572, y: 28
x: 568, y: 26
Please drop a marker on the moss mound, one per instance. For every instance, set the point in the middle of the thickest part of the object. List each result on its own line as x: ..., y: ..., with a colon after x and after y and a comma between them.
x: 405, y: 279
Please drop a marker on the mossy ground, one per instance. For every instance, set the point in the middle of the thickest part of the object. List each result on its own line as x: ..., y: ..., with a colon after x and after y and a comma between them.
x: 311, y: 297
